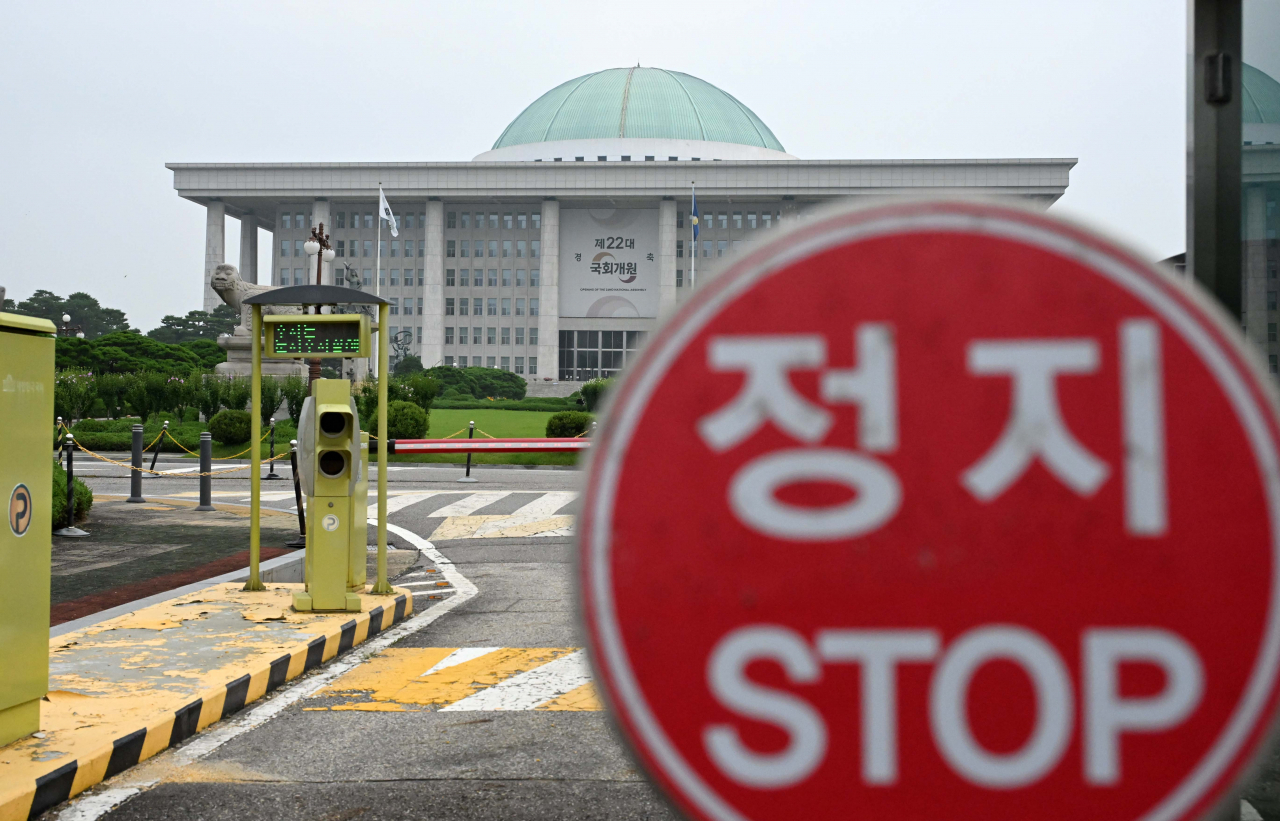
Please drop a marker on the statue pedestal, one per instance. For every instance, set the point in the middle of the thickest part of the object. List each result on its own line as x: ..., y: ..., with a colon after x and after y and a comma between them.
x: 240, y: 360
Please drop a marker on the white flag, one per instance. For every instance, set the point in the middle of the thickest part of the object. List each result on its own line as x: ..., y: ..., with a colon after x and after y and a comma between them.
x: 385, y: 212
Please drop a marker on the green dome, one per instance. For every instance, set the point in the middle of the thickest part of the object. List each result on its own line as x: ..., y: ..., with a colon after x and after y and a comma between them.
x: 1260, y: 102
x: 638, y: 102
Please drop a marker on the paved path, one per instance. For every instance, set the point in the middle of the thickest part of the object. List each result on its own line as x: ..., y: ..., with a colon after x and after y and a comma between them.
x: 482, y: 709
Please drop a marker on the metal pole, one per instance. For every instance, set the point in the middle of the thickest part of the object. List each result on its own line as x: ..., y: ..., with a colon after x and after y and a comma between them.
x: 382, y: 588
x: 155, y: 454
x: 206, y: 465
x: 271, y: 470
x: 57, y: 442
x: 301, y: 540
x: 1214, y: 136
x: 71, y: 483
x: 70, y: 530
x: 471, y: 432
x: 135, y: 474
x: 255, y: 463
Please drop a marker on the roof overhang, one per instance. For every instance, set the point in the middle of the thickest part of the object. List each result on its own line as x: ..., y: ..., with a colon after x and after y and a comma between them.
x: 258, y: 187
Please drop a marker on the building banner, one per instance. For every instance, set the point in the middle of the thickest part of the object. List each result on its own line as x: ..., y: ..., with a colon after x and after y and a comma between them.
x: 609, y: 262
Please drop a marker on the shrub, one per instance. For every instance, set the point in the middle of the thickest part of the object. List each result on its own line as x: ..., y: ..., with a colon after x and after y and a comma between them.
x: 88, y: 426
x: 405, y: 420
x: 480, y: 381
x: 450, y: 393
x: 210, y: 399
x: 230, y: 427
x: 147, y: 393
x: 593, y: 393
x: 84, y: 498
x: 236, y: 392
x: 568, y: 424
x: 407, y: 365
x: 270, y: 398
x: 74, y: 394
x: 295, y: 390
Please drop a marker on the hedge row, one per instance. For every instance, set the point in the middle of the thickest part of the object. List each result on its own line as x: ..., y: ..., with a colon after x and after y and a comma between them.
x: 549, y: 405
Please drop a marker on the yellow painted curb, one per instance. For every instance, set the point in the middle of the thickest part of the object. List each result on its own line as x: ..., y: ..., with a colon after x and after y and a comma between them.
x: 127, y: 688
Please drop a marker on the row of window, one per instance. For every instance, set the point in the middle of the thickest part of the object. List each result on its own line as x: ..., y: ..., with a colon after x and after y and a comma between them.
x: 490, y: 336
x: 463, y: 248
x: 300, y: 221
x: 395, y: 329
x: 408, y: 305
x: 353, y: 248
x: 739, y: 220
x: 511, y: 220
x: 301, y: 276
x: 493, y: 362
x: 464, y: 277
x: 713, y: 247
x: 586, y: 355
x: 477, y: 306
x: 520, y: 220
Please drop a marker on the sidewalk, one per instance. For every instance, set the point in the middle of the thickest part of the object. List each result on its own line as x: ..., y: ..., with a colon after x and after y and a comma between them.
x: 124, y: 689
x: 136, y: 550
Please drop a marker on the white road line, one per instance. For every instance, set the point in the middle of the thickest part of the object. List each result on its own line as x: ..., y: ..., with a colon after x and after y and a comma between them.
x: 529, y: 689
x: 460, y: 656
x: 546, y: 506
x: 469, y: 505
x: 401, y: 502
x: 97, y: 803
x: 421, y: 584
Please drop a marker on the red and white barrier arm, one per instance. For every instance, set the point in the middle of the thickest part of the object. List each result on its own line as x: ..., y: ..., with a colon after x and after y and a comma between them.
x: 488, y: 445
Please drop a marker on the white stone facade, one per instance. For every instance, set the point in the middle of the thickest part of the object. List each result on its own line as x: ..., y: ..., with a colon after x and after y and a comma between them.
x: 421, y: 270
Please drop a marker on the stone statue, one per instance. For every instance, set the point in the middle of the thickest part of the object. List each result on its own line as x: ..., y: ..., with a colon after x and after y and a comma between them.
x: 233, y: 290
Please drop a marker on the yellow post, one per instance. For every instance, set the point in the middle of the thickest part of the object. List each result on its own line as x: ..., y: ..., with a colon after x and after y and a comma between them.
x: 382, y: 588
x: 255, y: 463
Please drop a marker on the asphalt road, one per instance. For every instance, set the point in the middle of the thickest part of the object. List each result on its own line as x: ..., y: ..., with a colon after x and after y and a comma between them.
x: 312, y: 761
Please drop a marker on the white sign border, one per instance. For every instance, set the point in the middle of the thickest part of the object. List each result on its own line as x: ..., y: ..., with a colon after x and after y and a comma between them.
x: 1156, y: 290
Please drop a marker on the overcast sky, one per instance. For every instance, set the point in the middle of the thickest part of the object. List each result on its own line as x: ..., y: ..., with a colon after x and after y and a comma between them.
x: 99, y: 96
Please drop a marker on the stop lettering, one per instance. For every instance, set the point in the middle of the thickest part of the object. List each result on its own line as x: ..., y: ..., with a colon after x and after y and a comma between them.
x: 939, y: 510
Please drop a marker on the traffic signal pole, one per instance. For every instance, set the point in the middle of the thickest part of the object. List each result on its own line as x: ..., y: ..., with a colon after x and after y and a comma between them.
x: 255, y: 461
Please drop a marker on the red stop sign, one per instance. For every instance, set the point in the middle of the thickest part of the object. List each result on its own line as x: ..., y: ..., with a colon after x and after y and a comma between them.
x: 938, y: 510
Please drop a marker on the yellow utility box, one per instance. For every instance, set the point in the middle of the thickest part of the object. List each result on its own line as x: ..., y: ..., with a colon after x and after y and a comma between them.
x: 331, y: 472
x: 26, y: 481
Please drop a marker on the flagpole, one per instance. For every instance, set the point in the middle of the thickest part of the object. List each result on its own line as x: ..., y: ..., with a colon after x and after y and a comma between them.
x: 693, y: 214
x: 377, y: 272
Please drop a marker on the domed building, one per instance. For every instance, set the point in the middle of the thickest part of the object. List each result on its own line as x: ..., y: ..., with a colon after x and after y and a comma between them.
x: 554, y: 253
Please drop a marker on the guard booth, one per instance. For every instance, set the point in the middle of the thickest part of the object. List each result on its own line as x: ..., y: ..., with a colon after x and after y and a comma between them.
x: 26, y: 480
x: 332, y: 450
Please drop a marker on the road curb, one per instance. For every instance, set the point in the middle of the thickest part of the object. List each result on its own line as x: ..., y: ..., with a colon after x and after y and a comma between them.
x: 54, y: 781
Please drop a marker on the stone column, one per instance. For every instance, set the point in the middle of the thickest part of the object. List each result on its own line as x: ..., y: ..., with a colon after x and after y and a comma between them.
x: 1255, y: 265
x: 319, y: 214
x: 433, y: 287
x: 549, y: 293
x: 666, y: 258
x: 215, y: 248
x: 249, y: 248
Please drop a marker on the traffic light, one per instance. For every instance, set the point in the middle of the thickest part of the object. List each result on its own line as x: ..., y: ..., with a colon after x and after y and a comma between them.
x: 331, y: 471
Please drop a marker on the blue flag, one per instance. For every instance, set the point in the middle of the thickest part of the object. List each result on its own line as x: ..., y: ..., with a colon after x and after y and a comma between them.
x: 695, y: 215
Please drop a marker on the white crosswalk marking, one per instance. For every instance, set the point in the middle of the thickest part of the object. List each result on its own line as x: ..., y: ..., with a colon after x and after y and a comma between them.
x: 547, y: 504
x: 472, y: 503
x: 460, y: 656
x: 529, y: 689
x: 400, y: 502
